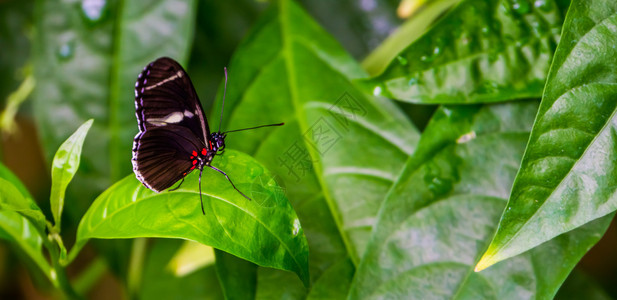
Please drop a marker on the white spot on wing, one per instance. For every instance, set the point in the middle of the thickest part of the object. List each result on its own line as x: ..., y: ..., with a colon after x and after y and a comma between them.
x: 171, y: 78
x: 174, y: 117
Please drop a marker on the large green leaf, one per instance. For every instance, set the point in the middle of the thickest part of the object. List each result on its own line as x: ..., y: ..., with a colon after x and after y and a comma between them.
x: 440, y: 215
x: 87, y: 55
x: 64, y: 167
x: 332, y: 130
x: 15, y: 227
x: 483, y: 51
x: 288, y: 69
x: 568, y: 174
x: 264, y: 230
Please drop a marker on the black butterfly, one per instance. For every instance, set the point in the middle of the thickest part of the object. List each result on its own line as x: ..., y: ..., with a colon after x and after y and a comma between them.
x: 174, y: 138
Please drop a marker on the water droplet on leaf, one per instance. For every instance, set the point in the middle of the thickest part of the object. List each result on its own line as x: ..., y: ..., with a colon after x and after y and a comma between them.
x: 93, y: 9
x: 296, y: 227
x: 402, y: 60
x: 377, y: 91
x: 66, y: 50
x: 521, y: 7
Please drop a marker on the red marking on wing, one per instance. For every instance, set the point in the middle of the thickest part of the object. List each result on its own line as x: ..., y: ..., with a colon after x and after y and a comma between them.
x: 194, y: 153
x: 194, y: 162
x: 204, y: 152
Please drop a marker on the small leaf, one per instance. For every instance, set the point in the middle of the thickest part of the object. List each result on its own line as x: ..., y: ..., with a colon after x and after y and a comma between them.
x: 264, y: 230
x: 11, y: 199
x: 440, y: 215
x: 63, y: 168
x: 482, y: 51
x: 17, y: 214
x: 568, y: 174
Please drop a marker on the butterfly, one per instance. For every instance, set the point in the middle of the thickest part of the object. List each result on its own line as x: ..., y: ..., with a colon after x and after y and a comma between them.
x: 174, y: 138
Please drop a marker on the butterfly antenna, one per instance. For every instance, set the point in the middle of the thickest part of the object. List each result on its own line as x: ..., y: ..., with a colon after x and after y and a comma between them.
x: 268, y: 125
x: 200, y: 198
x: 224, y: 94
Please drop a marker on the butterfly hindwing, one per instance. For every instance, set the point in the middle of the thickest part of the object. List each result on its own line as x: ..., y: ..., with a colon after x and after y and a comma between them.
x: 162, y: 155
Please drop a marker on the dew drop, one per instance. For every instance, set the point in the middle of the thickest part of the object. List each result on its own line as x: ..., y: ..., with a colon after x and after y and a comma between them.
x: 377, y: 91
x: 423, y: 58
x: 296, y: 227
x: 66, y: 50
x: 402, y: 60
x: 521, y: 7
x: 466, y: 137
x: 542, y: 4
x: 53, y: 274
x: 93, y: 9
x: 413, y: 81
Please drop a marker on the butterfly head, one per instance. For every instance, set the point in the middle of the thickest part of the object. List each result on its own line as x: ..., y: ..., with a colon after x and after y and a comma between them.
x: 218, y: 142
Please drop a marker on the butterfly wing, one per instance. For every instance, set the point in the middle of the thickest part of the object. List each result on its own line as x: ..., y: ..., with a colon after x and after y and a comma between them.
x: 163, y: 155
x: 164, y: 94
x: 171, y: 125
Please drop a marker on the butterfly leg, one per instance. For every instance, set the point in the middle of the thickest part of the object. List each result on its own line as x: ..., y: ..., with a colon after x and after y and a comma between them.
x: 232, y: 184
x: 181, y: 182
x: 200, y: 199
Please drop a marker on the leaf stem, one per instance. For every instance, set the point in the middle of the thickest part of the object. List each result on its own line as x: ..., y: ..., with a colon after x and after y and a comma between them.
x: 136, y: 266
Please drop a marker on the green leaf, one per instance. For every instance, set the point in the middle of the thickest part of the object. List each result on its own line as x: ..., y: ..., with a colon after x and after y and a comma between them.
x: 19, y: 219
x: 568, y: 172
x: 238, y: 277
x: 264, y: 230
x: 306, y: 77
x: 483, y: 51
x: 63, y: 168
x: 439, y: 216
x: 86, y: 60
x: 159, y: 282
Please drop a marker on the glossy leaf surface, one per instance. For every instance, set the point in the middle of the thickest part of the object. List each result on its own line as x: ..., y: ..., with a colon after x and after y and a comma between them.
x: 439, y: 216
x: 482, y: 51
x: 264, y: 230
x: 568, y: 174
x: 64, y: 167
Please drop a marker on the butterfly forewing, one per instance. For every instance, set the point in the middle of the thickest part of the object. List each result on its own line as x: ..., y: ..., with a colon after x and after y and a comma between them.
x: 164, y: 95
